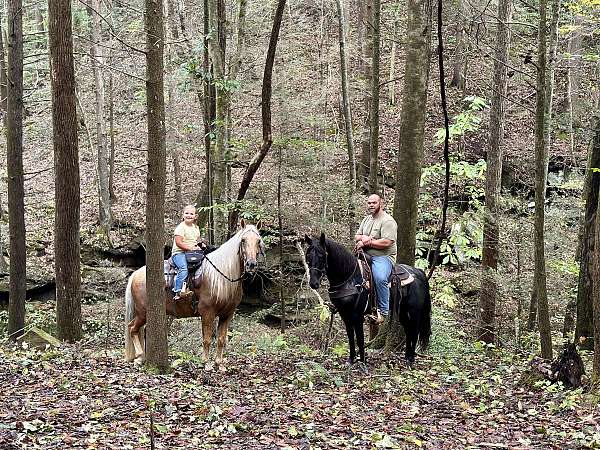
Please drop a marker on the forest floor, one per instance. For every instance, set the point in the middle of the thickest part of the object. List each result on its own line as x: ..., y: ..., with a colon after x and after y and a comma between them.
x: 282, y: 392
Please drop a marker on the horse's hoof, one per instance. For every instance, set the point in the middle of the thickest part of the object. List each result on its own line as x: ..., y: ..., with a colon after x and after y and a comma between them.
x: 139, y: 361
x: 222, y: 368
x: 208, y: 367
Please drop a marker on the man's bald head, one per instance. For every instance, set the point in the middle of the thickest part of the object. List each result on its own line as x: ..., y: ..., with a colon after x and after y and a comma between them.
x: 374, y: 204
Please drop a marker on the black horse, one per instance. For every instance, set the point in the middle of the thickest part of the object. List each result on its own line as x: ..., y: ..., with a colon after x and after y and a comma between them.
x: 411, y: 303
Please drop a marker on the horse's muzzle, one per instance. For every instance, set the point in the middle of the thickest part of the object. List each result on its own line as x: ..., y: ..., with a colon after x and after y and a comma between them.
x: 314, y: 284
x: 251, y: 266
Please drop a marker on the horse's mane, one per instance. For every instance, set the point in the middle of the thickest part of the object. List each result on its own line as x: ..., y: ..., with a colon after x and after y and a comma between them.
x: 344, y: 261
x: 227, y: 259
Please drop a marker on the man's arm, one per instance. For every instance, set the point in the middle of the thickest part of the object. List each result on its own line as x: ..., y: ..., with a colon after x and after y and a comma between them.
x: 378, y: 244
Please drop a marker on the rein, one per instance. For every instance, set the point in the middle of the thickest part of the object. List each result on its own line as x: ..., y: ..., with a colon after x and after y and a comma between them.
x: 243, y: 265
x: 333, y: 288
x: 219, y: 270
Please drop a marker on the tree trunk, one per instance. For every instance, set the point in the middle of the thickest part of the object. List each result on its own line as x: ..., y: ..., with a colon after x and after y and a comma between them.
x: 267, y: 133
x: 532, y: 314
x: 374, y: 142
x: 367, y: 56
x: 14, y: 162
x: 491, y: 228
x: 346, y: 95
x: 172, y: 20
x: 39, y: 19
x: 393, y: 51
x: 571, y: 94
x: 219, y: 157
x: 596, y: 275
x: 459, y: 75
x: 412, y: 126
x: 3, y: 263
x: 586, y: 284
x: 2, y: 73
x: 97, y: 57
x: 66, y: 159
x: 205, y: 197
x: 156, y: 337
x: 111, y: 115
x: 541, y: 164
x: 111, y: 125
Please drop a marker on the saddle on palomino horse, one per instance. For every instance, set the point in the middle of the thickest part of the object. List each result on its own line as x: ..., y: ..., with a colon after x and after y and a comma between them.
x: 400, y: 276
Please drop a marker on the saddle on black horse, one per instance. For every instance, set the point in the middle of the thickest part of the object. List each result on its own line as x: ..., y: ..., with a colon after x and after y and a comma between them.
x: 399, y: 277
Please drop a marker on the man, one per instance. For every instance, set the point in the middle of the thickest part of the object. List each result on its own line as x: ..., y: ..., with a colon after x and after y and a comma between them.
x: 376, y: 236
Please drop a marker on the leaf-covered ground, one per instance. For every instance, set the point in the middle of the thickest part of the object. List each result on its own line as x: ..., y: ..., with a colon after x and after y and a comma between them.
x: 281, y: 393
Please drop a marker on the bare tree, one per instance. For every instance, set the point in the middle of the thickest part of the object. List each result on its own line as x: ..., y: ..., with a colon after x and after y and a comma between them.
x: 157, y: 349
x: 491, y: 228
x: 66, y: 157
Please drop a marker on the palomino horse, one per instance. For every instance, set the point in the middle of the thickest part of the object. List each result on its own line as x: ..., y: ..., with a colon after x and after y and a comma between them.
x: 218, y: 292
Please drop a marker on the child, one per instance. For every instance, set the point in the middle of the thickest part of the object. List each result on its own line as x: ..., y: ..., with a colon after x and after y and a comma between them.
x: 187, y: 235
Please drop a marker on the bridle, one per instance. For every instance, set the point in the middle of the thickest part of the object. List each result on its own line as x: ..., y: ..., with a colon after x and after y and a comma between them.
x: 242, y: 256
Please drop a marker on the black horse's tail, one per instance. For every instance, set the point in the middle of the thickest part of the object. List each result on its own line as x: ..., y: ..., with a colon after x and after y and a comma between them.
x: 425, y: 322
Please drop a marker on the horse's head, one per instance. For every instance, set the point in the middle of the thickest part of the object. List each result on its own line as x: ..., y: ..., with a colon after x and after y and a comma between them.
x: 251, y: 246
x: 316, y: 258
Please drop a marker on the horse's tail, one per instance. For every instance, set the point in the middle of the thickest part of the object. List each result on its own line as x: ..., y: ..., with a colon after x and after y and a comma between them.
x: 129, y: 315
x: 425, y: 322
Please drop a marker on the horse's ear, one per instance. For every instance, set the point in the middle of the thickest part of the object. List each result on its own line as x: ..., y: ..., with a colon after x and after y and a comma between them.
x: 322, y: 239
x: 307, y: 239
x: 259, y: 224
x: 242, y: 223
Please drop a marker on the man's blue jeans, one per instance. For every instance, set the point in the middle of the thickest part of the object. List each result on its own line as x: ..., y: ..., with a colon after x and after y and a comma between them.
x: 182, y: 270
x: 382, y: 268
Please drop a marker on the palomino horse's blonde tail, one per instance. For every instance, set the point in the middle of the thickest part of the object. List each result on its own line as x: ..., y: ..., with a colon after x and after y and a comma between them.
x: 129, y: 314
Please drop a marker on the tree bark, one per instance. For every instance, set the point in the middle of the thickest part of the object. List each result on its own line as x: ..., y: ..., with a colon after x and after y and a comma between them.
x: 393, y: 51
x: 374, y: 126
x: 596, y: 275
x: 3, y: 263
x: 541, y: 164
x: 156, y: 350
x: 219, y: 157
x: 459, y: 75
x: 346, y: 96
x: 66, y: 159
x: 412, y: 127
x: 267, y: 133
x: 205, y: 197
x: 367, y: 56
x: 14, y: 163
x: 586, y: 284
x: 97, y: 57
x: 491, y: 228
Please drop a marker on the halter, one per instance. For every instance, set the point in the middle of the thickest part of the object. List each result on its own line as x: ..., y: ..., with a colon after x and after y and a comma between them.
x: 242, y: 258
